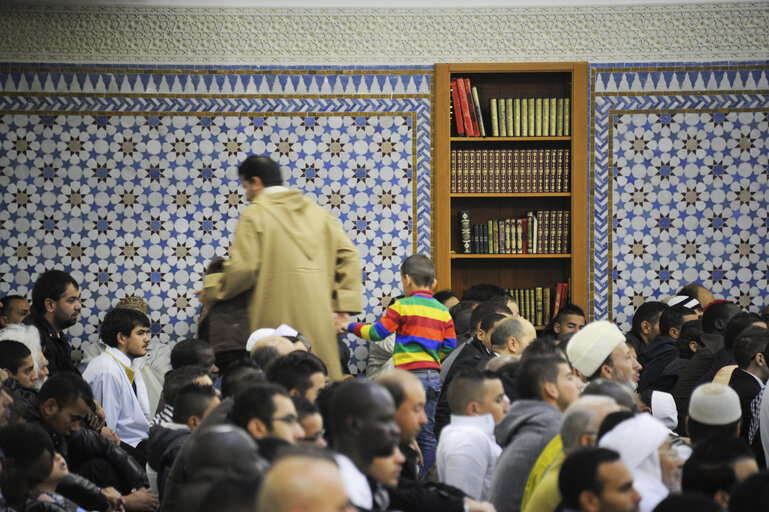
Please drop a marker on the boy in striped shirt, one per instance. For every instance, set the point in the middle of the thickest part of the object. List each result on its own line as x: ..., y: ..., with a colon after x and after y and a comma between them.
x: 424, y: 336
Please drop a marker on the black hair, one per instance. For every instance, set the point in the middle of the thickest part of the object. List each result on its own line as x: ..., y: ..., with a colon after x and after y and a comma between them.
x: 483, y: 292
x: 710, y: 468
x: 647, y: 312
x: 192, y: 400
x: 737, y: 324
x: 482, y: 311
x: 461, y: 314
x: 25, y: 443
x: 12, y: 355
x: 612, y: 420
x: 304, y: 407
x: 262, y: 167
x: 751, y: 495
x: 420, y: 269
x: 50, y: 285
x: 467, y: 387
x: 717, y: 315
x: 751, y: 341
x: 690, y: 331
x: 228, y: 494
x: 187, y: 352
x: 5, y: 303
x: 534, y: 372
x: 489, y: 321
x: 393, y: 386
x: 444, y: 295
x: 568, y: 310
x: 256, y: 402
x: 699, y: 432
x: 177, y: 379
x: 293, y: 371
x: 687, y: 502
x: 673, y: 318
x: 65, y: 388
x: 240, y: 374
x: 264, y: 356
x: 579, y: 473
x: 121, y: 321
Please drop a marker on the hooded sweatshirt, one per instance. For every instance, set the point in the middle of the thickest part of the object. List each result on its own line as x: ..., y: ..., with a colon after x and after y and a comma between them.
x: 523, y: 433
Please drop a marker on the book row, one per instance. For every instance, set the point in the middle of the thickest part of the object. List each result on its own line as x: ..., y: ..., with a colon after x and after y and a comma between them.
x: 530, y: 117
x: 535, y: 304
x: 541, y: 232
x: 510, y: 170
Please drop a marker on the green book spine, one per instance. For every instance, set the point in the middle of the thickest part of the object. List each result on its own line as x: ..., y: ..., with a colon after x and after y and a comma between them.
x: 524, y: 117
x: 494, y: 118
x: 545, y: 117
x: 553, y: 108
x: 538, y: 305
x: 532, y: 114
x: 566, y: 117
x: 517, y: 117
x: 546, y: 304
x: 503, y: 113
x: 490, y: 236
x: 538, y: 117
x: 509, y: 108
x: 559, y: 119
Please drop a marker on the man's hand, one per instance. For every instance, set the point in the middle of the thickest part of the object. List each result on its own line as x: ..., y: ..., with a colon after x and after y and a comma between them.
x: 3, y: 375
x: 111, y: 435
x: 141, y: 500
x: 340, y: 321
x: 95, y: 420
x: 205, y: 304
x: 479, y: 506
x: 114, y: 498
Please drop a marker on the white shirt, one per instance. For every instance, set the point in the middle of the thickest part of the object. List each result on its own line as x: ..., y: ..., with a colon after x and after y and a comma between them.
x: 355, y: 483
x: 126, y: 413
x: 467, y: 454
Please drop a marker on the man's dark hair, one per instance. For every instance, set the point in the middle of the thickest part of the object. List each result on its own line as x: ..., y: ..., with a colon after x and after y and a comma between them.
x: 420, y: 269
x: 568, y: 310
x: 121, y: 321
x: 737, y: 325
x: 612, y: 420
x: 256, y: 402
x: 751, y: 341
x: 65, y: 388
x: 482, y: 311
x: 192, y: 400
x: 673, y: 318
x: 468, y: 387
x: 489, y: 321
x: 444, y: 295
x: 710, y: 468
x: 5, y: 303
x: 239, y: 375
x: 12, y: 355
x: 687, y: 502
x: 187, y: 352
x: 304, y: 407
x: 699, y: 432
x: 751, y: 495
x: 25, y: 443
x: 393, y: 386
x: 649, y: 311
x: 483, y: 292
x: 579, y: 473
x: 50, y: 285
x: 690, y: 331
x: 461, y: 314
x: 717, y: 315
x: 293, y: 371
x: 177, y: 379
x: 262, y: 167
x: 534, y: 372
x: 264, y: 356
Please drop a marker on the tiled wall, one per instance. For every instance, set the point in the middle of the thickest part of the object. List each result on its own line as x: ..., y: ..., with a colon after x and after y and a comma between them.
x: 127, y: 178
x: 678, y: 174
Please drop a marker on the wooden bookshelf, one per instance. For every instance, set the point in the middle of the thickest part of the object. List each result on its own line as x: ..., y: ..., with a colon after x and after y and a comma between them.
x: 456, y: 270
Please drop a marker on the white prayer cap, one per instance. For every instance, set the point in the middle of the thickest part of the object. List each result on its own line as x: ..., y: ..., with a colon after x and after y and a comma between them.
x: 266, y: 332
x: 683, y: 300
x: 590, y: 346
x: 664, y: 409
x: 715, y: 404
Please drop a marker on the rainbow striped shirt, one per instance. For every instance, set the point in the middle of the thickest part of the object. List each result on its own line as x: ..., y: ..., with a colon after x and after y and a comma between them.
x: 424, y: 331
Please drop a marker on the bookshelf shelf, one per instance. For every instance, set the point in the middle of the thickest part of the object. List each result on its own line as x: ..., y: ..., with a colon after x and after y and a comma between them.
x: 509, y: 256
x: 520, y: 272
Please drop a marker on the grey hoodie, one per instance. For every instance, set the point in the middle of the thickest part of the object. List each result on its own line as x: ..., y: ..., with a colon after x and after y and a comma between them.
x: 523, y: 433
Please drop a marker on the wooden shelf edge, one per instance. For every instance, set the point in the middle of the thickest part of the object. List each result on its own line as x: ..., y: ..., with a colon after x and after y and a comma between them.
x: 505, y: 139
x: 510, y: 194
x: 509, y: 256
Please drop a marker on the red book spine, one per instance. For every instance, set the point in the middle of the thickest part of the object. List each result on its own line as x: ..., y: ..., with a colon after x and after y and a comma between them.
x: 565, y: 294
x: 471, y: 105
x: 457, y: 109
x: 468, y: 121
x: 557, y: 304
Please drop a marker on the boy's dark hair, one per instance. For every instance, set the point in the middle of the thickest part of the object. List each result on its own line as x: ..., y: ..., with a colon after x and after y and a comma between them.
x: 262, y: 167
x: 240, y: 374
x: 710, y: 468
x: 690, y: 331
x: 12, y: 355
x: 751, y: 341
x: 121, y: 321
x: 293, y: 371
x: 567, y: 310
x: 737, y: 325
x: 25, y: 443
x: 420, y: 269
x: 256, y: 402
x: 304, y: 407
x: 649, y: 311
x: 187, y: 352
x: 65, y: 388
x: 482, y: 311
x: 5, y: 303
x: 468, y: 387
x: 50, y: 285
x: 444, y: 295
x: 580, y: 473
x: 534, y: 372
x: 483, y: 292
x: 192, y: 400
x: 264, y: 356
x: 751, y: 495
x: 673, y: 318
x: 177, y: 379
x: 699, y: 432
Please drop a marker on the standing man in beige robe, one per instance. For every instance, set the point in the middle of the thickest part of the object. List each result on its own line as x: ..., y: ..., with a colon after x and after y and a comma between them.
x: 302, y: 268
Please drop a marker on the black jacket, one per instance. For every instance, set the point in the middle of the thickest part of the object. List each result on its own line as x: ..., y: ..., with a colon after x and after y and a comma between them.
x: 413, y: 495
x: 163, y: 445
x: 56, y: 347
x: 660, y: 352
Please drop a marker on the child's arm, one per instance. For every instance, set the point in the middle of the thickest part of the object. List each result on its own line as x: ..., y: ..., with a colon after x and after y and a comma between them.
x: 381, y: 329
x: 449, y: 340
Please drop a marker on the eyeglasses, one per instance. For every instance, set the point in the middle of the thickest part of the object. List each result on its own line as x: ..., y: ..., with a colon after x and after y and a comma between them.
x: 289, y: 418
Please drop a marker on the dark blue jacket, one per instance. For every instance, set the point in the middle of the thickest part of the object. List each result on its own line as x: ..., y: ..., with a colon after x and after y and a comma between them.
x: 660, y: 352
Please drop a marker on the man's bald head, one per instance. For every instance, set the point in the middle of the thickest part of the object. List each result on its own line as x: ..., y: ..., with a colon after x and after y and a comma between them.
x: 301, y: 483
x: 281, y: 344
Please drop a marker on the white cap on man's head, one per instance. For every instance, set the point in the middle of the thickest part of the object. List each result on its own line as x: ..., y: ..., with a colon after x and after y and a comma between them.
x: 715, y: 404
x: 266, y: 332
x: 591, y: 345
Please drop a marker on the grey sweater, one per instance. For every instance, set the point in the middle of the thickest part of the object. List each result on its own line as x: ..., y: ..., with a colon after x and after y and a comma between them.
x: 523, y: 433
